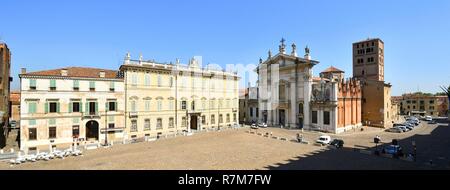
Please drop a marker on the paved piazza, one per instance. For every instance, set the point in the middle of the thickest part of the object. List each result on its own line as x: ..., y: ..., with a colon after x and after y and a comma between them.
x: 238, y: 149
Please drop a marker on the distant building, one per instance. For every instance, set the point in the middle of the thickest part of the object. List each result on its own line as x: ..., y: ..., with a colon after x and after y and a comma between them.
x: 15, y: 105
x: 70, y: 105
x: 5, y: 80
x: 248, y: 106
x: 335, y: 102
x: 368, y: 67
x: 423, y: 105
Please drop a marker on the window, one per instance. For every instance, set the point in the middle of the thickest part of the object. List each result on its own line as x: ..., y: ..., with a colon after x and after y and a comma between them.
x: 171, y: 125
x: 92, y: 108
x: 52, y: 84
x: 431, y: 101
x: 220, y: 118
x: 76, y: 85
x: 171, y: 82
x: 133, y: 126
x: 211, y: 106
x: 183, y: 122
x: 228, y: 118
x: 171, y: 105
x: 257, y: 112
x: 147, y: 79
x: 32, y: 84
x: 414, y: 107
x: 203, y: 120
x: 183, y: 105
x: 251, y: 112
x: 213, y: 119
x: 147, y: 105
x: 431, y: 107
x: 75, y: 131
x: 74, y: 107
x: 111, y: 87
x: 52, y: 107
x: 204, y: 104
x: 32, y: 107
x: 159, y: 123
x: 133, y: 106
x: 234, y: 117
x: 91, y: 85
x: 159, y: 105
x: 111, y: 125
x: 32, y: 134
x: 193, y: 105
x: 52, y: 132
x: 159, y: 81
x: 134, y: 79
x: 314, y: 117
x: 146, y: 124
x: 326, y: 117
x: 111, y: 106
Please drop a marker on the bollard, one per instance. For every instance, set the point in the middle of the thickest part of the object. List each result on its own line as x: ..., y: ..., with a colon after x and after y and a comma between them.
x: 112, y: 143
x: 1, y: 151
x: 12, y: 150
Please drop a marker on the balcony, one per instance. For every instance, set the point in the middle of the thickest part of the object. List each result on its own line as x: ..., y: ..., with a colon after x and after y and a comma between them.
x: 115, y: 129
x: 91, y: 115
x: 133, y: 114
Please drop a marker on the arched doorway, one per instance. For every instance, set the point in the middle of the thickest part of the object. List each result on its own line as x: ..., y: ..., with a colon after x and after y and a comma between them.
x: 92, y: 130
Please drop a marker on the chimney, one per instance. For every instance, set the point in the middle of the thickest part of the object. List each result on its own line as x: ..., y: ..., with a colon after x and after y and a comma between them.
x: 63, y: 72
x: 102, y: 74
x: 23, y: 70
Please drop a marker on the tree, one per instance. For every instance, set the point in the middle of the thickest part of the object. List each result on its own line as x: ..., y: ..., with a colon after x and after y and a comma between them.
x: 447, y: 91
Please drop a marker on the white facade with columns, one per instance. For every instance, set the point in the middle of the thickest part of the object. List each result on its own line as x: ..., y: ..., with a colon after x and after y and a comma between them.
x: 285, y: 88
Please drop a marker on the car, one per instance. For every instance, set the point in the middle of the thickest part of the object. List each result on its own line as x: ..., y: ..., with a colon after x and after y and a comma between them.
x: 394, y: 150
x: 338, y: 143
x: 394, y: 130
x: 262, y: 125
x: 403, y: 128
x: 432, y: 122
x: 428, y: 118
x: 236, y: 125
x: 324, y: 139
x: 253, y: 126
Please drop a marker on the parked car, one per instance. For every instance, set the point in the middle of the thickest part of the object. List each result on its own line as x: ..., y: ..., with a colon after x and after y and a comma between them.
x: 403, y: 128
x: 432, y: 122
x: 324, y: 139
x: 394, y: 130
x: 338, y: 143
x: 428, y: 118
x: 262, y: 125
x: 394, y: 150
x: 253, y: 126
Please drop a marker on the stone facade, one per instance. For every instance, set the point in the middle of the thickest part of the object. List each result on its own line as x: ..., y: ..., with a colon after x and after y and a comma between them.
x: 248, y: 106
x: 166, y: 99
x: 5, y: 79
x: 61, y: 107
x: 284, y: 88
x: 423, y: 105
x: 15, y: 105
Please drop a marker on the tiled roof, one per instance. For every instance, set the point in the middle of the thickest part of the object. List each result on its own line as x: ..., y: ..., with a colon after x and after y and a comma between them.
x: 332, y: 70
x: 76, y: 72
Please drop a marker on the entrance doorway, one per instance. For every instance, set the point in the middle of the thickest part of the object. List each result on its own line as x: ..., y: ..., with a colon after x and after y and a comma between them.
x: 194, y: 122
x: 92, y: 130
x: 300, y: 122
x: 282, y: 117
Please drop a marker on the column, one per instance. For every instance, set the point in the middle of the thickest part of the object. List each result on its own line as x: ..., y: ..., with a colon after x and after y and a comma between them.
x: 306, y: 99
x: 294, y: 105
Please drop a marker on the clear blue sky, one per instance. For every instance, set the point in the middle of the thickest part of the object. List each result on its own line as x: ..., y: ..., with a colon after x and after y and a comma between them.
x: 52, y: 34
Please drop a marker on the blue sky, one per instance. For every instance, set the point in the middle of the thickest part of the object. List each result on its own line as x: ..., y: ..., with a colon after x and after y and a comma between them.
x: 52, y: 34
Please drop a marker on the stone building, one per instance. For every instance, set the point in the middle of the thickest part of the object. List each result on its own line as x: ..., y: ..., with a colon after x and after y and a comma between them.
x: 335, y: 102
x: 166, y: 98
x: 423, y: 105
x: 15, y: 105
x: 284, y: 88
x: 5, y: 80
x: 368, y: 67
x: 70, y: 105
x: 248, y: 106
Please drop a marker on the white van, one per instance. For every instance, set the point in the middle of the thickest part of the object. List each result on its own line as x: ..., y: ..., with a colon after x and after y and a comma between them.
x: 324, y: 139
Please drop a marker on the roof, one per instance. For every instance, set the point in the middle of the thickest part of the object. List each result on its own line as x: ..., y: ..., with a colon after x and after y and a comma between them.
x: 368, y: 40
x: 85, y: 72
x: 332, y: 70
